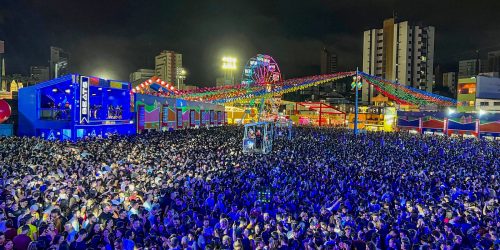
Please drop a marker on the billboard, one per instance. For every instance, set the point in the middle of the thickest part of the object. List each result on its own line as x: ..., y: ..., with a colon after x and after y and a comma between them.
x: 488, y: 87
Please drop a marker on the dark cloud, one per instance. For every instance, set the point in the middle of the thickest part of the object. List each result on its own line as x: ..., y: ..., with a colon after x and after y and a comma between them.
x: 118, y: 37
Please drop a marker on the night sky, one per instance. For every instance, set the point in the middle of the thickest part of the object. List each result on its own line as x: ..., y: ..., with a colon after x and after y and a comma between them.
x: 112, y: 38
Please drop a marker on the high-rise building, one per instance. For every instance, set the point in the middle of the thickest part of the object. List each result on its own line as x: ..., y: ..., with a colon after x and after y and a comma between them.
x: 59, y: 63
x: 450, y: 81
x: 438, y: 76
x: 399, y: 52
x: 167, y: 64
x: 328, y: 62
x: 39, y: 73
x: 481, y: 92
x: 3, y: 84
x: 494, y: 61
x: 469, y: 68
x: 140, y: 76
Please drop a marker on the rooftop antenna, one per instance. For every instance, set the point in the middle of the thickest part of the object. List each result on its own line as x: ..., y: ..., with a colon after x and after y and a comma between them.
x: 394, y: 16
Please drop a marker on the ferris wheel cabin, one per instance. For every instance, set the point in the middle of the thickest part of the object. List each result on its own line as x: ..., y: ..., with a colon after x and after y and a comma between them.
x: 258, y: 137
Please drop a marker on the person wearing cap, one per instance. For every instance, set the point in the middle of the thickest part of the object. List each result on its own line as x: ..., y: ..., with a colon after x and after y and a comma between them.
x: 258, y: 244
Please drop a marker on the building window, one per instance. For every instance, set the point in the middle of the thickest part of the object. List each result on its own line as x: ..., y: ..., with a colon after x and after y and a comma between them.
x: 484, y: 103
x: 496, y: 104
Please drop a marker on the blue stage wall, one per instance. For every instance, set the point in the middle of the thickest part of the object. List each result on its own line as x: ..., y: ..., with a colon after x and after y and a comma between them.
x: 75, y: 106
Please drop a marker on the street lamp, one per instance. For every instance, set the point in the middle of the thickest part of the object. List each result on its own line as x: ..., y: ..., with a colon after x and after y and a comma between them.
x: 356, y: 85
x: 181, y: 75
x: 451, y: 111
x: 228, y: 65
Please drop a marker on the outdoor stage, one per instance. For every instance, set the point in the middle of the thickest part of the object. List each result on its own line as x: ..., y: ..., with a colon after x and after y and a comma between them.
x: 75, y: 106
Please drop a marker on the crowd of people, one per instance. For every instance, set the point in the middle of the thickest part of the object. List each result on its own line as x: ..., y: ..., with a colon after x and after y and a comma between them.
x: 195, y: 189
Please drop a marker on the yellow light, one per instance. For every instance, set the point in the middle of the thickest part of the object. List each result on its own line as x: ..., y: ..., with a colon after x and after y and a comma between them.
x: 229, y: 63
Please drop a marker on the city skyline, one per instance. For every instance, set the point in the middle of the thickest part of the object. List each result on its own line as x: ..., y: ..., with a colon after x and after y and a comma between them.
x: 121, y: 38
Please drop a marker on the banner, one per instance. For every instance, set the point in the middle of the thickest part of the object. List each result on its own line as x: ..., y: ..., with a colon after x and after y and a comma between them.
x: 192, y: 118
x: 84, y: 100
x: 202, y: 118
x: 141, y: 117
x: 179, y: 118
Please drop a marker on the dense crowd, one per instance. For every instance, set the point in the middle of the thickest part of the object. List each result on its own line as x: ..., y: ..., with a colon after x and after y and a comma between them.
x: 195, y: 189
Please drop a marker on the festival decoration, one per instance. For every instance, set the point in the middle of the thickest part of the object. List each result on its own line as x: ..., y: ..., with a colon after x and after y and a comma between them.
x: 155, y: 86
x: 405, y: 94
x: 244, y: 93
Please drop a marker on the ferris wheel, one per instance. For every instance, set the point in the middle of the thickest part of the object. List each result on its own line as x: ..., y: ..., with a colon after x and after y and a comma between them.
x: 261, y: 69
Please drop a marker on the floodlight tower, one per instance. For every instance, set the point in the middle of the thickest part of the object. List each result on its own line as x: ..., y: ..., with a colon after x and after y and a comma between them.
x: 228, y: 65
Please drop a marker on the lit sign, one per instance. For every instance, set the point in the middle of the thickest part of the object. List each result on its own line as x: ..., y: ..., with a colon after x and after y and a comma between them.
x: 84, y: 100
